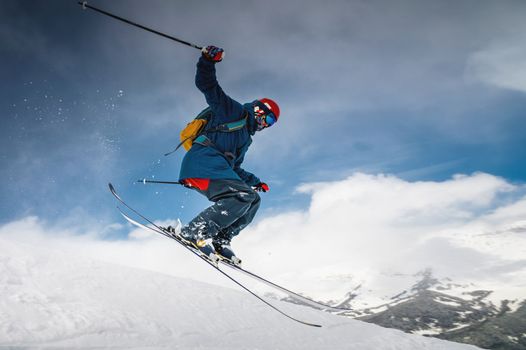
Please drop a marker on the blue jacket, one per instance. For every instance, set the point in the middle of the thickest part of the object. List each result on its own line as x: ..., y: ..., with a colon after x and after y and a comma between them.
x: 210, y: 162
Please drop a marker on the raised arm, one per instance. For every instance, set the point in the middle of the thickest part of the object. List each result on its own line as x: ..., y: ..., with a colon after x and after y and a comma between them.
x: 206, y: 81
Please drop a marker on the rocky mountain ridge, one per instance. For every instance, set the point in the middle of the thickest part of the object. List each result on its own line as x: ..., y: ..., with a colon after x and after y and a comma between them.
x: 447, y: 310
x: 428, y: 309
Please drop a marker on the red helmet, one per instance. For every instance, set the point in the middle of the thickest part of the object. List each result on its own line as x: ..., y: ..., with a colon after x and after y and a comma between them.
x: 273, y: 106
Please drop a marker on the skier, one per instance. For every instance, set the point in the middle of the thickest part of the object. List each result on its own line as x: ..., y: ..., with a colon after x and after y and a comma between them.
x: 212, y: 166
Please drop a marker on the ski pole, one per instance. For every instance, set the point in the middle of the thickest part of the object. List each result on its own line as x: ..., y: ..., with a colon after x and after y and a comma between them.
x: 85, y: 5
x: 144, y: 181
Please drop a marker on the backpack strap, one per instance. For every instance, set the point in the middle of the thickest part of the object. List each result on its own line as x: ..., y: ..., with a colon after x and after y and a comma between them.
x: 227, y: 127
x: 205, y: 141
x: 230, y: 127
x: 201, y: 139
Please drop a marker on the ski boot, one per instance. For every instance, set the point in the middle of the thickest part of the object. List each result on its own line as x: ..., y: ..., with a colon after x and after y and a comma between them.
x: 174, y: 231
x: 201, y: 244
x: 225, y: 252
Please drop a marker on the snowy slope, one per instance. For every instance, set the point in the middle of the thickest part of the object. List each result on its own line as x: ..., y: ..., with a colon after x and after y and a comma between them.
x: 50, y: 298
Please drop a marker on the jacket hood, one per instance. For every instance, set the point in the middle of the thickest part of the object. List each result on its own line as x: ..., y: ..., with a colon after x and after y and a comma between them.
x: 251, y: 121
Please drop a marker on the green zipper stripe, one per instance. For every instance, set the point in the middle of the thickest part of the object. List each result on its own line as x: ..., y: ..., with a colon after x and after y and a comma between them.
x: 233, y: 126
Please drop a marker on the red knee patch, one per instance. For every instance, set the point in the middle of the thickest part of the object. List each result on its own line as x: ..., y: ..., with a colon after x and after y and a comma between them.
x: 200, y: 184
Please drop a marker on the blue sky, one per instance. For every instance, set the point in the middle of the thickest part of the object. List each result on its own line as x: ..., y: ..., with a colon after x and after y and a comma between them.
x: 419, y: 89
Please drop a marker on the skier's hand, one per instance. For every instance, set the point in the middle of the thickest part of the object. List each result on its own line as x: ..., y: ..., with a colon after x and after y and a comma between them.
x: 213, y: 53
x: 262, y: 187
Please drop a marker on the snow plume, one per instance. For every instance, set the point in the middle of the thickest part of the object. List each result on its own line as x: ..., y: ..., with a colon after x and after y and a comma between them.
x: 364, y: 228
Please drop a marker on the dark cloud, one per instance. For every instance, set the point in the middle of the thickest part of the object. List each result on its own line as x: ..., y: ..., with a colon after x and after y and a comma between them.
x: 370, y: 85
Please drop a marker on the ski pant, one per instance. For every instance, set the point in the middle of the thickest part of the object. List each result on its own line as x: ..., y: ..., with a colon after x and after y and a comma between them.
x: 235, y: 205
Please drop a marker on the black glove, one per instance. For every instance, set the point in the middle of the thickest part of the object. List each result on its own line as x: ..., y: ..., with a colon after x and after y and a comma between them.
x: 213, y: 53
x: 262, y: 187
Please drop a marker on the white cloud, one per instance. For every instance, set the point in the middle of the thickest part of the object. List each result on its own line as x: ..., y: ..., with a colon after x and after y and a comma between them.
x: 142, y: 250
x: 366, y: 225
x: 360, y: 230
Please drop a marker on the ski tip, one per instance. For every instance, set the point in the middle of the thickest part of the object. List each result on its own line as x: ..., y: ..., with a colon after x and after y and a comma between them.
x: 309, y: 324
x: 113, y: 191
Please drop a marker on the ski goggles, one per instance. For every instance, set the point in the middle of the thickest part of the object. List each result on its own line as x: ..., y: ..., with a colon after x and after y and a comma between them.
x: 264, y: 121
x: 270, y: 119
x: 264, y: 115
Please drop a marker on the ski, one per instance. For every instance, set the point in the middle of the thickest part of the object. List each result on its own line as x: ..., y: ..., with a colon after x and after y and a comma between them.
x: 298, y: 297
x: 160, y: 230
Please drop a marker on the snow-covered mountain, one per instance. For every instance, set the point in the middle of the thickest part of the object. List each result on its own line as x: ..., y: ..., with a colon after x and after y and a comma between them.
x: 52, y: 298
x: 483, y: 303
x: 453, y: 311
x: 441, y: 308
